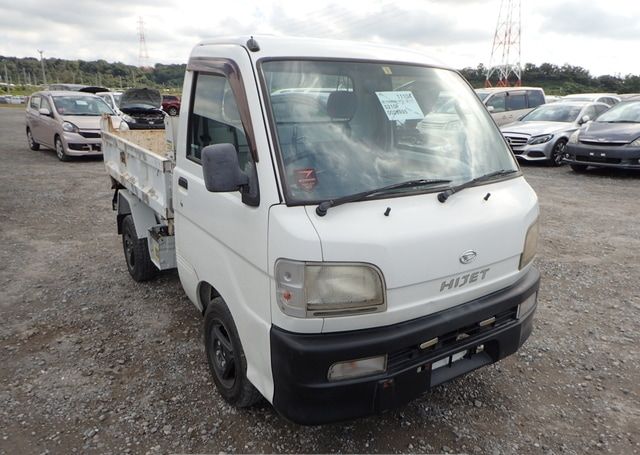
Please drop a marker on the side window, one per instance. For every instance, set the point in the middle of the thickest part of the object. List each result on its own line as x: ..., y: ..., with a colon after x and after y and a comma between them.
x: 600, y: 109
x: 497, y: 101
x: 516, y: 101
x: 44, y: 103
x: 536, y: 98
x: 215, y: 119
x: 35, y: 102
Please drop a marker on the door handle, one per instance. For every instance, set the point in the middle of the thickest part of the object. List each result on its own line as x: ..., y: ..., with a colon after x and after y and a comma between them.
x: 183, y: 183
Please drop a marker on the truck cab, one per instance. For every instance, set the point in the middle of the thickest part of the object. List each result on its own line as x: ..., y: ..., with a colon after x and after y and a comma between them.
x: 345, y: 257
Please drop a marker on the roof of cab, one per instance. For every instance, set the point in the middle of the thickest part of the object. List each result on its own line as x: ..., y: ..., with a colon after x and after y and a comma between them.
x: 284, y: 46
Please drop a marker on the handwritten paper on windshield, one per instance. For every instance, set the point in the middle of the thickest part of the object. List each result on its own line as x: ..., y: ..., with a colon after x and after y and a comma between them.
x: 400, y: 105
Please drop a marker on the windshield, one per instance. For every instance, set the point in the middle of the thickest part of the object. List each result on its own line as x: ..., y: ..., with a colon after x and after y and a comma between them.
x: 482, y: 95
x: 553, y: 113
x: 81, y: 105
x: 349, y: 127
x: 628, y: 112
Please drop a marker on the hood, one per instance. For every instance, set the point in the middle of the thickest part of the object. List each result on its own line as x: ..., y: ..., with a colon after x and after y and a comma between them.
x: 535, y: 128
x: 419, y: 245
x: 141, y: 98
x: 84, y: 122
x: 93, y: 89
x: 610, y: 132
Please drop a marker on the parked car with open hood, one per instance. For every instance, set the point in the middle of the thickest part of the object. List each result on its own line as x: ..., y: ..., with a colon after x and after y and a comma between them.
x: 142, y: 109
x: 66, y: 121
x: 543, y: 133
x: 613, y: 140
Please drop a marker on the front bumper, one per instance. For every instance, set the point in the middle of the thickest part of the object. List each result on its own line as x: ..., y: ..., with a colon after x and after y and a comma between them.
x: 300, y: 362
x: 538, y: 152
x: 75, y: 144
x: 621, y: 156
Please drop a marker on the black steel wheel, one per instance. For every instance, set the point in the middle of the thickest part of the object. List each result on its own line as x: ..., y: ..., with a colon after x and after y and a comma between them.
x: 225, y: 356
x: 136, y: 252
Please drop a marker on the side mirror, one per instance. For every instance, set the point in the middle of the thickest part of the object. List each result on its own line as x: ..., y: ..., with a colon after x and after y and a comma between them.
x: 490, y: 109
x: 584, y: 119
x: 221, y: 169
x: 44, y: 111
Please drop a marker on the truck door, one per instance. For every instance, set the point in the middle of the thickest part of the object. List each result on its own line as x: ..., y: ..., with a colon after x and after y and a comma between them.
x: 221, y: 238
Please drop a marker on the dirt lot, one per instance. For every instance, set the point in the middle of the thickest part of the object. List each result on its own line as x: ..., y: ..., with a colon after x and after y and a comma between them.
x: 93, y: 362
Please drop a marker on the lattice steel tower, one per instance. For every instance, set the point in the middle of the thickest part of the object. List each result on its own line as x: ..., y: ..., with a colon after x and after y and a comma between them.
x: 143, y: 55
x: 504, y: 65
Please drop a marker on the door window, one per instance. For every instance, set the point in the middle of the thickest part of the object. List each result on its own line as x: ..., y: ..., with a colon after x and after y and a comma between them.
x: 44, y: 104
x: 536, y: 98
x: 35, y: 102
x: 516, y: 101
x: 215, y: 119
x: 497, y: 101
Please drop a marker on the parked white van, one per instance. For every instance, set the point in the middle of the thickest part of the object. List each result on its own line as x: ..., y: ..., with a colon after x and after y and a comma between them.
x: 508, y: 104
x: 344, y: 259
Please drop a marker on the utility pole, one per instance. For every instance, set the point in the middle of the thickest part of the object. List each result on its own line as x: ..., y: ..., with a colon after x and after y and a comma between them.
x: 505, y: 52
x: 44, y: 76
x: 6, y: 78
x: 24, y: 76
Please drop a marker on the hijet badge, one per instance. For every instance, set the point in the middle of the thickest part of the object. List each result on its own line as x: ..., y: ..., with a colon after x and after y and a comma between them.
x: 307, y: 179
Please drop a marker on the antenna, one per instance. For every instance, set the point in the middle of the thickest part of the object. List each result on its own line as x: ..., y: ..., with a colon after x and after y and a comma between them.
x: 143, y: 55
x: 505, y: 52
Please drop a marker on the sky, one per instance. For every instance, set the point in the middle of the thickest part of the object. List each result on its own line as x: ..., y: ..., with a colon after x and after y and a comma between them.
x: 602, y: 36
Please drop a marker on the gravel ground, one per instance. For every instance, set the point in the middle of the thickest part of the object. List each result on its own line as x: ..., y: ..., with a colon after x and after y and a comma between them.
x: 93, y: 362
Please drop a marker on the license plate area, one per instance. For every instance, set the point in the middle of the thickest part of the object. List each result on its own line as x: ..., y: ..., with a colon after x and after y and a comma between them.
x: 450, y: 360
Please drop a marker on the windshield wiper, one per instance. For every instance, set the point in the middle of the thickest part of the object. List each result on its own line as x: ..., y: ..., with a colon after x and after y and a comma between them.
x: 443, y: 196
x: 321, y: 209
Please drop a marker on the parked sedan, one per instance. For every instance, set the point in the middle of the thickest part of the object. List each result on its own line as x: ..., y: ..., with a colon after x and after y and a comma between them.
x: 613, y: 140
x: 68, y: 122
x: 142, y: 109
x: 543, y: 133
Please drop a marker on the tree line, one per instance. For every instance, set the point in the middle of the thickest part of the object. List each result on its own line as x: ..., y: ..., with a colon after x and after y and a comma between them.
x: 25, y: 72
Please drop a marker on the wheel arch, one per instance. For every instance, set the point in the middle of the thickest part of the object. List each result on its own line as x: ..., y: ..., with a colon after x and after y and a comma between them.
x: 206, y: 293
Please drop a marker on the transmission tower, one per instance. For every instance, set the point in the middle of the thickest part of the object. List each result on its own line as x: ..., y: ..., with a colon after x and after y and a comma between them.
x: 143, y: 55
x: 504, y: 64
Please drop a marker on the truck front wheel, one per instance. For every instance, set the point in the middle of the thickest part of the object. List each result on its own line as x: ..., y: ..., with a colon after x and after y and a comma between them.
x: 225, y: 356
x: 136, y: 252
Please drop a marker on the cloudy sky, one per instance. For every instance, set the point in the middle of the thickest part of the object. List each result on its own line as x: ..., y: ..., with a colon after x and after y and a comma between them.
x: 600, y: 35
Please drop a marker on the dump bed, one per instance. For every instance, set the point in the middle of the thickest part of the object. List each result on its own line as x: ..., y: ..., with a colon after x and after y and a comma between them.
x: 141, y: 161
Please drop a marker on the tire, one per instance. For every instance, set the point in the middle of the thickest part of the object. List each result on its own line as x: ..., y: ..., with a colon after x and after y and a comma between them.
x: 557, y: 152
x: 579, y: 168
x: 33, y: 145
x: 62, y: 156
x: 172, y: 111
x: 136, y: 252
x: 227, y: 362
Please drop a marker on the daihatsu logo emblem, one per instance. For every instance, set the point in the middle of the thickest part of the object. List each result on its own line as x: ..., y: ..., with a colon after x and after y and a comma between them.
x: 468, y: 256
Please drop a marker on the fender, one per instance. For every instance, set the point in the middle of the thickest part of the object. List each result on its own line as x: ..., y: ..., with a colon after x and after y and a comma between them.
x: 143, y: 217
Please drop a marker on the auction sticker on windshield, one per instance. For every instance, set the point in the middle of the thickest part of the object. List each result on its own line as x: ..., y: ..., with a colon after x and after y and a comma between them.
x: 400, y: 105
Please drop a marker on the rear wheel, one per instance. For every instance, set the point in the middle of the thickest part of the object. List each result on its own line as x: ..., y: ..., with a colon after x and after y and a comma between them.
x: 557, y: 153
x: 62, y: 156
x: 579, y: 168
x: 136, y: 252
x: 173, y: 111
x: 33, y: 145
x: 226, y: 357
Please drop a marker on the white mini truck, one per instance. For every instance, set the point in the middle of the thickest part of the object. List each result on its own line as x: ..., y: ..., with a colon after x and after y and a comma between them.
x: 347, y: 251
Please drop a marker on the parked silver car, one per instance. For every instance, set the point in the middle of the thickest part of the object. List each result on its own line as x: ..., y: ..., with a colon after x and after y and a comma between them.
x: 610, y: 99
x: 68, y: 122
x: 543, y: 133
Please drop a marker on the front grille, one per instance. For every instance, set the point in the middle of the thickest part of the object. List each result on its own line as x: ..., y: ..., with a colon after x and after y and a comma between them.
x: 400, y: 359
x: 599, y: 143
x: 90, y: 135
x: 516, y: 141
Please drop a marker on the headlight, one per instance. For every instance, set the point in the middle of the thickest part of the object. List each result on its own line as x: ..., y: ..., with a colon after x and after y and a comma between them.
x: 573, y: 139
x: 540, y: 139
x: 635, y: 143
x: 530, y: 245
x: 128, y: 118
x: 69, y: 127
x: 319, y: 289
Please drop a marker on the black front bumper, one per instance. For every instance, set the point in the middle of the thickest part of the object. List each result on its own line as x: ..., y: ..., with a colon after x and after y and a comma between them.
x: 300, y: 362
x: 621, y: 157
